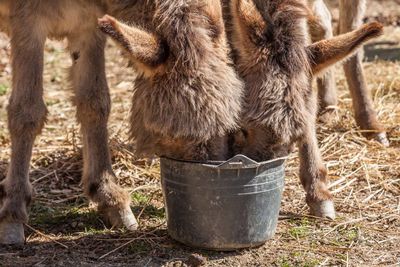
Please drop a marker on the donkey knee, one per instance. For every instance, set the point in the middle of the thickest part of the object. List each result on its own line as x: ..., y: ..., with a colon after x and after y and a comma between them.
x: 26, y: 118
x: 88, y: 77
x: 93, y: 108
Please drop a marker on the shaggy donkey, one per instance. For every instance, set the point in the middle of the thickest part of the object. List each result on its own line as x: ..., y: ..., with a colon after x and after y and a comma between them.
x: 277, y: 62
x: 351, y: 15
x: 186, y: 92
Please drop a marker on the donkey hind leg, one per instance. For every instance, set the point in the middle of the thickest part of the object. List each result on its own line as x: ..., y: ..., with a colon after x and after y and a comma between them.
x: 351, y: 14
x: 313, y: 177
x: 320, y: 29
x: 26, y: 117
x: 93, y: 107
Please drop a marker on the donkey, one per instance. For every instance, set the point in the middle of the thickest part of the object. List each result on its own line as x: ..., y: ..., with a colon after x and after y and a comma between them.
x: 351, y: 15
x: 187, y: 96
x: 277, y: 61
x: 187, y: 93
x: 29, y: 23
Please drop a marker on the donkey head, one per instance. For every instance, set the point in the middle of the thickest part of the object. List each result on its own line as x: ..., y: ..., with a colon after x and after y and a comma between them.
x: 277, y: 61
x: 186, y: 88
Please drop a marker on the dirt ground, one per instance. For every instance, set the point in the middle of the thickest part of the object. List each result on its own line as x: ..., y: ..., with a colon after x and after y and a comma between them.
x: 64, y: 230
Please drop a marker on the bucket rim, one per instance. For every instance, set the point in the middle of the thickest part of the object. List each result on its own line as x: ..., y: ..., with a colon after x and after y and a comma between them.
x: 220, y: 163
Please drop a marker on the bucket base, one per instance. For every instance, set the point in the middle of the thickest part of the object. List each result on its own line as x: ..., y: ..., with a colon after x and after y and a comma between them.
x: 225, y: 248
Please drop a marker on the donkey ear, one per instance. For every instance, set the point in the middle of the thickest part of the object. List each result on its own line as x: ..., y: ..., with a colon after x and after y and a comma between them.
x: 328, y: 52
x: 143, y: 47
x: 213, y: 9
x: 247, y: 18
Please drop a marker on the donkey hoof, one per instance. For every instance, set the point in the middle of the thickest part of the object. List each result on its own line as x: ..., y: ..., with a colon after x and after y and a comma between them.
x: 382, y: 138
x: 12, y: 233
x: 120, y: 217
x: 323, y: 209
x: 128, y: 219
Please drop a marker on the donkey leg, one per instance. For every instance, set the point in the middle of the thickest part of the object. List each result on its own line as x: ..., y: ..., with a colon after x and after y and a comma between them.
x: 93, y: 107
x: 351, y: 14
x: 26, y: 117
x: 313, y: 176
x: 321, y: 28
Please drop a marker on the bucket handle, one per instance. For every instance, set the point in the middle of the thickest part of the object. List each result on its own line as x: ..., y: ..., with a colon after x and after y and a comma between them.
x: 238, y: 161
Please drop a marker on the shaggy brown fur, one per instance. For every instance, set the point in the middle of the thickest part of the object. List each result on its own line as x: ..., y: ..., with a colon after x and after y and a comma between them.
x: 276, y: 61
x: 189, y: 93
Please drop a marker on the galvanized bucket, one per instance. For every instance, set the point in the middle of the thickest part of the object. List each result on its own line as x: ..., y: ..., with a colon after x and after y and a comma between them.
x: 222, y: 205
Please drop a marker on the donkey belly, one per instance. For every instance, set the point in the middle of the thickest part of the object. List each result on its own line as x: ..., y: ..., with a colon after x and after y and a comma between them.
x: 54, y: 19
x: 72, y: 18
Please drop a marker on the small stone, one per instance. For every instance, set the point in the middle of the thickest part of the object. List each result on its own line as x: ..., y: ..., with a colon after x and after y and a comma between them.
x: 74, y: 224
x: 196, y: 260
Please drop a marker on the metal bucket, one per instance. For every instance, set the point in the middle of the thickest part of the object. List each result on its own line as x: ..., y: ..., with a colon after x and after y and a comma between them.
x: 222, y: 205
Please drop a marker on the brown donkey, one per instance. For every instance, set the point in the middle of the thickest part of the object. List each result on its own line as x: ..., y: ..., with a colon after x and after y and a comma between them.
x: 277, y: 61
x: 28, y: 24
x: 320, y: 24
x: 186, y: 92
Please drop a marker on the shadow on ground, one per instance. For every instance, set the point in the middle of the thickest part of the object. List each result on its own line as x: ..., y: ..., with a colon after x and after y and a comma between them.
x: 86, y: 242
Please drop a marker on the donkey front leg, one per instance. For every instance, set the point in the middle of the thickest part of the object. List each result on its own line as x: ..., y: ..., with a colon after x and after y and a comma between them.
x: 26, y: 117
x: 93, y: 107
x: 320, y: 29
x: 313, y: 177
x: 351, y: 14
